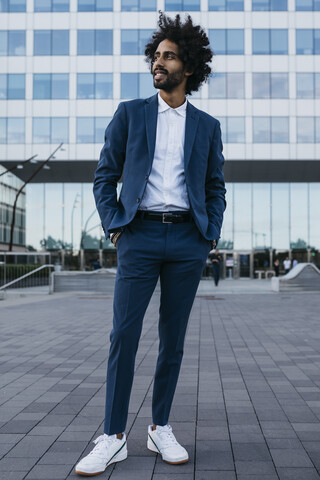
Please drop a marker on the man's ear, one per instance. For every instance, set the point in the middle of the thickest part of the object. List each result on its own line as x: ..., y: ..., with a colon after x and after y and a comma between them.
x: 188, y: 74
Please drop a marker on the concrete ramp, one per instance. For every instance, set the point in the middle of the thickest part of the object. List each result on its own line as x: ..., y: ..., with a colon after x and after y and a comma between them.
x: 78, y: 281
x: 303, y: 277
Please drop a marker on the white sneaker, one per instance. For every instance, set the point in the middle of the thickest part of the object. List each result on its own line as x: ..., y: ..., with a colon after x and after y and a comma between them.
x: 109, y: 449
x: 164, y: 442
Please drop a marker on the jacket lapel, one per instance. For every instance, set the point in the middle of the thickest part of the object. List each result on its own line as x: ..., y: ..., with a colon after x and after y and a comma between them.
x: 192, y: 120
x: 151, y: 117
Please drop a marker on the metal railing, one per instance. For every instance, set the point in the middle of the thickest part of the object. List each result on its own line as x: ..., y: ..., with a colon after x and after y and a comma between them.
x: 36, y: 270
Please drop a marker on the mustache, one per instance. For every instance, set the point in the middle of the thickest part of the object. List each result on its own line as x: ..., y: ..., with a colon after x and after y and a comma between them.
x: 159, y: 70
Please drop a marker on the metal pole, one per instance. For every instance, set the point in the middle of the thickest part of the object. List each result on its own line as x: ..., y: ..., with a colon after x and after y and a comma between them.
x: 20, y: 190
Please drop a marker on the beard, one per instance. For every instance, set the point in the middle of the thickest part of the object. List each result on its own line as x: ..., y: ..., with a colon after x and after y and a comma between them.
x: 170, y: 80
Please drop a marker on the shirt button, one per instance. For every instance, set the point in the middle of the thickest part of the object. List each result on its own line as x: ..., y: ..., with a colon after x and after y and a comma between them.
x: 138, y: 200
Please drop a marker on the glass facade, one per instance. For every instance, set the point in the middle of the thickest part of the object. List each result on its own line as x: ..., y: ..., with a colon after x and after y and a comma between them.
x: 51, y: 5
x: 12, y: 6
x: 53, y: 86
x: 12, y: 86
x: 50, y: 130
x: 138, y: 5
x: 226, y: 5
x: 51, y: 42
x: 227, y: 41
x: 307, y: 41
x: 270, y: 41
x: 12, y: 42
x: 94, y: 85
x: 267, y: 5
x: 9, y: 186
x: 95, y: 42
x: 258, y: 216
x: 308, y: 5
x: 95, y: 5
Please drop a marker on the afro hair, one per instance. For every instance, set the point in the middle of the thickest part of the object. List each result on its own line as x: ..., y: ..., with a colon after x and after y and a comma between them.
x: 193, y: 44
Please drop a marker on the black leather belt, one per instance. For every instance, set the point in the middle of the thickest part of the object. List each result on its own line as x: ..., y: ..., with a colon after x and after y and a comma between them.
x: 165, y: 217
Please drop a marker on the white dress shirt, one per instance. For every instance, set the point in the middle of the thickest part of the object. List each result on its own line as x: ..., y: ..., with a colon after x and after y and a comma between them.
x: 166, y: 188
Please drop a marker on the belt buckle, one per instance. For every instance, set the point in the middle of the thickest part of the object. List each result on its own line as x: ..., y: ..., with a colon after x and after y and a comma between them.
x: 164, y: 217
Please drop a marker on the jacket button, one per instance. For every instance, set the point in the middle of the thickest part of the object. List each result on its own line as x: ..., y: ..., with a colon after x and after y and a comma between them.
x: 138, y: 200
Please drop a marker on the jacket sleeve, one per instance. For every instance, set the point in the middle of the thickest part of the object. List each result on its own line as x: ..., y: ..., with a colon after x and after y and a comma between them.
x: 110, y: 167
x: 215, y: 187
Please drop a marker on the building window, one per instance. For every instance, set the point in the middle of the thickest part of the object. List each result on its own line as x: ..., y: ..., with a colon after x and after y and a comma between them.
x: 270, y: 42
x: 267, y: 5
x: 12, y: 86
x: 138, y: 5
x: 226, y: 5
x: 133, y: 42
x: 227, y: 41
x: 95, y: 5
x: 182, y: 5
x: 12, y: 6
x: 307, y: 5
x: 95, y: 42
x: 50, y: 86
x: 308, y: 129
x: 94, y: 85
x: 227, y: 85
x: 51, y: 42
x: 270, y: 130
x: 307, y: 41
x: 308, y: 85
x: 12, y: 130
x: 137, y: 85
x: 270, y: 85
x: 50, y: 130
x: 91, y: 129
x: 12, y: 42
x: 51, y: 5
x: 233, y: 129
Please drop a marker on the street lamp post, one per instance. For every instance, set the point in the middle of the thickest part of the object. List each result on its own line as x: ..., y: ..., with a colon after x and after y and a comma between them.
x: 42, y: 165
x: 72, y: 212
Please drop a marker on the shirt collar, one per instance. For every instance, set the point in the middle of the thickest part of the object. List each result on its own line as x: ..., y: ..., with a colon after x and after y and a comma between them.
x: 163, y: 106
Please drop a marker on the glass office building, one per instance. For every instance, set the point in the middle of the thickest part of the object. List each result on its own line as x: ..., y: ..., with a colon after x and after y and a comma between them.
x: 66, y: 65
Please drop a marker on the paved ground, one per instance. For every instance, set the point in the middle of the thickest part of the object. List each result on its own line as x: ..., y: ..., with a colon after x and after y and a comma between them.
x: 247, y: 405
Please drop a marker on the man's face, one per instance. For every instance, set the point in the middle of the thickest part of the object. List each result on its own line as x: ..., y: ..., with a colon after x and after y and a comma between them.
x: 167, y: 70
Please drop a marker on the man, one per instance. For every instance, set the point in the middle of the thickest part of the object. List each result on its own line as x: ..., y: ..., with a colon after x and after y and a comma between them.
x: 216, y: 262
x: 287, y: 265
x: 165, y: 222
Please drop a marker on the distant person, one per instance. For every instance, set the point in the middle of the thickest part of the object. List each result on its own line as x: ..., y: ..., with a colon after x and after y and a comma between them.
x: 287, y: 265
x: 294, y: 262
x: 216, y: 264
x: 96, y: 264
x: 276, y: 265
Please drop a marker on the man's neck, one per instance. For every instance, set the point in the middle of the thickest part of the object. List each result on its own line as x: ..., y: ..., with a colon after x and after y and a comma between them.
x: 173, y: 99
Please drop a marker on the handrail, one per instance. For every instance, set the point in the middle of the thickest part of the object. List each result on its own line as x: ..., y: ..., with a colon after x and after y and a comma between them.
x: 25, y: 276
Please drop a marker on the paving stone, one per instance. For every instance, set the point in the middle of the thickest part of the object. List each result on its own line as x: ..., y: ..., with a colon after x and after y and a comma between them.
x: 249, y: 383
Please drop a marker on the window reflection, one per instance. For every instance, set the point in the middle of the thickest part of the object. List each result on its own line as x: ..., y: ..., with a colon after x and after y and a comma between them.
x: 227, y: 41
x: 242, y: 216
x: 280, y: 215
x: 225, y: 5
x: 261, y: 208
x: 298, y: 215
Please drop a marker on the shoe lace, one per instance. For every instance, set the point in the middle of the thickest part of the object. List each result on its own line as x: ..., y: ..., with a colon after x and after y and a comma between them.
x: 166, y: 435
x: 102, y: 443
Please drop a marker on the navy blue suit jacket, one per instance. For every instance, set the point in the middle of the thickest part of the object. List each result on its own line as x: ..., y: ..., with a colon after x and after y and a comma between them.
x: 129, y: 150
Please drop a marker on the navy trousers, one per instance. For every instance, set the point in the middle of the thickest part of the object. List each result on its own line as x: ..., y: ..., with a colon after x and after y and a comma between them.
x: 148, y: 250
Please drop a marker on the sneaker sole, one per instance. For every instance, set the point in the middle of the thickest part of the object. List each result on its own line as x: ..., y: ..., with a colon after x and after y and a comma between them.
x: 114, y: 460
x: 151, y: 446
